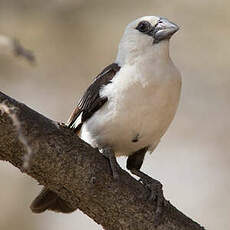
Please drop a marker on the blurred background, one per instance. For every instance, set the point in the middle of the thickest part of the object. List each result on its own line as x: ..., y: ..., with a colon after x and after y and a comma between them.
x: 75, y: 39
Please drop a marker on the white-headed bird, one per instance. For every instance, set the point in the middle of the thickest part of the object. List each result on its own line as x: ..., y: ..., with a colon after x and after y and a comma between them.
x: 129, y: 105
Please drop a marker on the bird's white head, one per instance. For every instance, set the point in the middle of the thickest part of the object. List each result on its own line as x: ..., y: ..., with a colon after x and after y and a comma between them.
x: 144, y: 35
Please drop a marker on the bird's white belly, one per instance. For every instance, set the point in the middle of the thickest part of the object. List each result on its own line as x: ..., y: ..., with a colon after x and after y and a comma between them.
x: 134, y: 117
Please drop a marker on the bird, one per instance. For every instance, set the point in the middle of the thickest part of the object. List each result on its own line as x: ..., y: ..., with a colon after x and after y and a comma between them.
x: 129, y: 106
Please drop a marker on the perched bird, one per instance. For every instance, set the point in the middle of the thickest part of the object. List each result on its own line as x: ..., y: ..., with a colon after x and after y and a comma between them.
x: 130, y: 104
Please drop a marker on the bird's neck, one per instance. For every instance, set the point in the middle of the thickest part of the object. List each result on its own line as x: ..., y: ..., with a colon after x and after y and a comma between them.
x: 156, y: 53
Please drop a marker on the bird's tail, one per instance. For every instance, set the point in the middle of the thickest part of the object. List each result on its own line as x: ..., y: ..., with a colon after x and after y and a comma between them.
x: 49, y: 200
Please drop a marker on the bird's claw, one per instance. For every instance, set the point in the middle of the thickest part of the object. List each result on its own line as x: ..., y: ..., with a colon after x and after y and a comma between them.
x: 62, y: 124
x: 155, y: 194
x: 155, y: 188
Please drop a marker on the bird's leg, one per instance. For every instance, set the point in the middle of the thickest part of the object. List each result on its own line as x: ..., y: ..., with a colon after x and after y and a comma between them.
x: 156, y: 192
x: 109, y: 154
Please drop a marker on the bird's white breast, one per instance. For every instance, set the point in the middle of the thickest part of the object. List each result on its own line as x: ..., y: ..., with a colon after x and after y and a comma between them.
x: 142, y: 101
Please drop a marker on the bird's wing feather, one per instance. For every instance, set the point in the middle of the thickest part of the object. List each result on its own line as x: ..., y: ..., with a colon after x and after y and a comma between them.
x: 91, y: 100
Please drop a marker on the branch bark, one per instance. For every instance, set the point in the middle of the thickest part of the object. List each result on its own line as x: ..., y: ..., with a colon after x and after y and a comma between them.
x: 79, y: 174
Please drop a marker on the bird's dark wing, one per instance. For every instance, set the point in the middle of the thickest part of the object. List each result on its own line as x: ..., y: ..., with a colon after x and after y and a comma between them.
x: 91, y: 100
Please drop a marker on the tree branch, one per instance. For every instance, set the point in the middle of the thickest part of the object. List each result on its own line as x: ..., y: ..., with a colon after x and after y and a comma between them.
x: 78, y: 173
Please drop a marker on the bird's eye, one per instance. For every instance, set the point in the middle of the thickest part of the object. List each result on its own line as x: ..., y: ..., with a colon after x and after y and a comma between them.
x: 144, y: 27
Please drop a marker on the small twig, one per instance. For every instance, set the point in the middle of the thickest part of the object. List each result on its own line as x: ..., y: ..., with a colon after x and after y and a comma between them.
x: 13, y: 46
x: 19, y: 50
x: 11, y: 112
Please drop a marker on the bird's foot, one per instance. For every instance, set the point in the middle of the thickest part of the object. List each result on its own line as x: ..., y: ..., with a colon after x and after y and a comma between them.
x: 109, y: 154
x: 61, y: 124
x: 155, y: 192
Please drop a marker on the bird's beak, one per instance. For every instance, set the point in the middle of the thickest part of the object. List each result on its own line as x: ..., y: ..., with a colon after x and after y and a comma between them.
x: 164, y: 30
